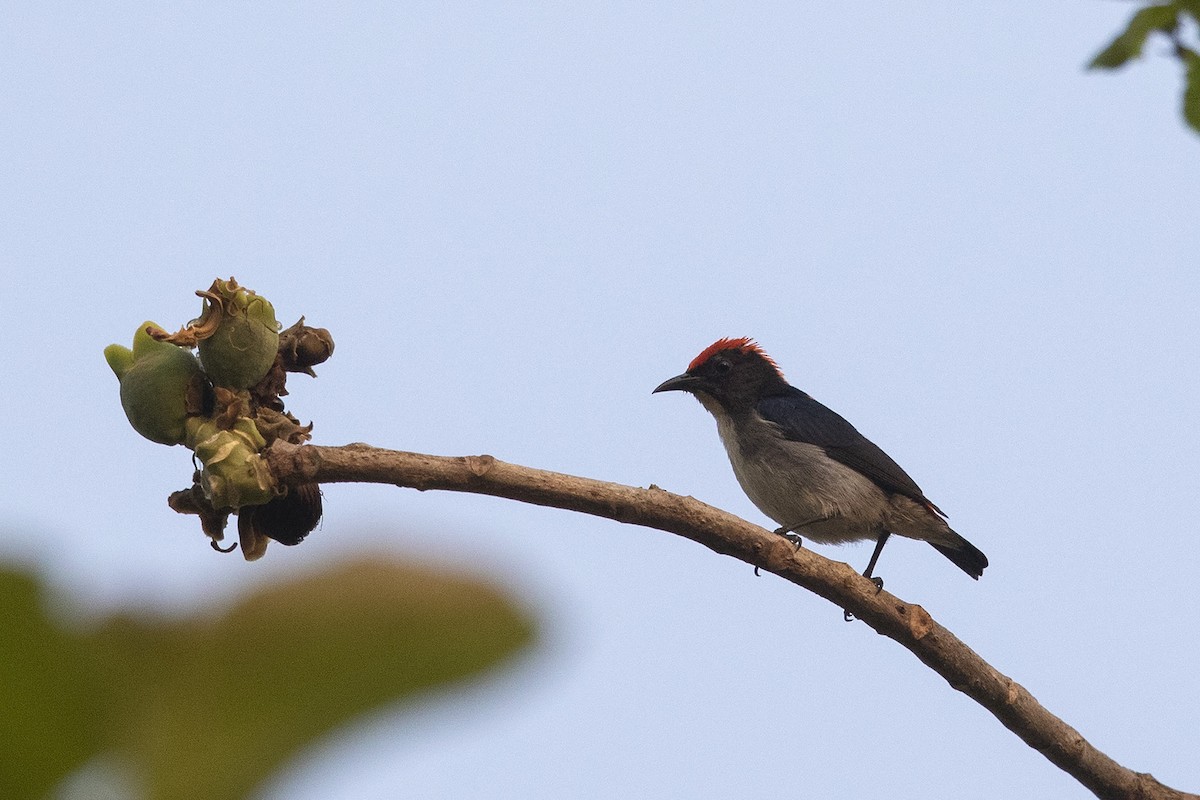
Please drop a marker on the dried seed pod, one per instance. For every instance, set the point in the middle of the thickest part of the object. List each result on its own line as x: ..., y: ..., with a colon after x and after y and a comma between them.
x: 253, y: 542
x: 288, y: 518
x: 301, y: 348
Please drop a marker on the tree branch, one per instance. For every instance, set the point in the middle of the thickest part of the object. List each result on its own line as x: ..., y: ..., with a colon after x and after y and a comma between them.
x: 907, y: 623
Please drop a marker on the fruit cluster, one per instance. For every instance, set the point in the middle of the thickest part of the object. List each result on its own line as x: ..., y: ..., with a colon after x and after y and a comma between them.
x: 224, y: 405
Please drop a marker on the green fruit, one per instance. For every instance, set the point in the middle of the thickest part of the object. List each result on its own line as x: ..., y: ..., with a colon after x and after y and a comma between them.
x: 233, y: 473
x: 242, y: 349
x: 154, y: 377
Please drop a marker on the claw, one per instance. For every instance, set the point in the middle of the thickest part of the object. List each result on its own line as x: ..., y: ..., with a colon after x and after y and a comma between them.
x: 794, y: 538
x: 219, y: 549
x: 846, y: 615
x: 788, y: 531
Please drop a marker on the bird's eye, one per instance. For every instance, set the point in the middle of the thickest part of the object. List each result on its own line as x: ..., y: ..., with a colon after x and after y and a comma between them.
x: 722, y: 366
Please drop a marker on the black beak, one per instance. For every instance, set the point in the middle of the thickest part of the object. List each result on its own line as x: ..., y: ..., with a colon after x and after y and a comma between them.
x: 680, y: 383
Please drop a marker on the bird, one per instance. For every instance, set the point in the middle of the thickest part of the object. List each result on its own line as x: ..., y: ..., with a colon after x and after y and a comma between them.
x: 805, y: 466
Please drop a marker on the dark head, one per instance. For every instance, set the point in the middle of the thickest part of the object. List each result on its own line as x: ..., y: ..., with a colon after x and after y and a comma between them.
x: 733, y: 373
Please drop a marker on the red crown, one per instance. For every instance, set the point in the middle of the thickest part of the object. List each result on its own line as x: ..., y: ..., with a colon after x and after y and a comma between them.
x: 743, y: 344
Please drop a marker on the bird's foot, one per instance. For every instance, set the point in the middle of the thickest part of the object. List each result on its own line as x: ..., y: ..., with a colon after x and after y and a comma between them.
x: 787, y: 533
x: 846, y: 615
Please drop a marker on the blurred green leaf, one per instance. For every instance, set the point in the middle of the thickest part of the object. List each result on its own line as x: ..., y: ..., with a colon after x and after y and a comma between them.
x: 1191, y: 88
x: 210, y: 706
x: 48, y: 699
x: 1128, y: 45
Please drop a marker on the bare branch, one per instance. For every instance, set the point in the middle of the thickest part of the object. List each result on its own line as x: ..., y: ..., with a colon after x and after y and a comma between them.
x: 908, y: 624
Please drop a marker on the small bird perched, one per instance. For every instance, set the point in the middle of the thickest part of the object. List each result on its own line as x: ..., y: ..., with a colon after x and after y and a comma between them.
x: 806, y: 467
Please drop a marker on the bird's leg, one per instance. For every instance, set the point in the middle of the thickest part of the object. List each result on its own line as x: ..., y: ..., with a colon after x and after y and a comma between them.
x: 789, y: 531
x: 883, y: 537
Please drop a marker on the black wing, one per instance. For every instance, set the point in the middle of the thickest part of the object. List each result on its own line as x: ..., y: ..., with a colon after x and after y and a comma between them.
x: 803, y: 419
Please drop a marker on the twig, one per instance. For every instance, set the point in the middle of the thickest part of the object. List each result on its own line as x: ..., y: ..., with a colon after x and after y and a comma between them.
x: 907, y: 623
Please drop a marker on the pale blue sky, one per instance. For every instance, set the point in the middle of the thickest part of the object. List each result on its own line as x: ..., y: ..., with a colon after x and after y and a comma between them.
x: 519, y: 219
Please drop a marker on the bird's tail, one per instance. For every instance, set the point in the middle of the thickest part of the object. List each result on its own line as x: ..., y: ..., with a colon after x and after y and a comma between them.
x: 966, y: 556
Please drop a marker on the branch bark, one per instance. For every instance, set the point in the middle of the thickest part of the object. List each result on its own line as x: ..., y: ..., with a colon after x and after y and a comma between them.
x: 906, y: 623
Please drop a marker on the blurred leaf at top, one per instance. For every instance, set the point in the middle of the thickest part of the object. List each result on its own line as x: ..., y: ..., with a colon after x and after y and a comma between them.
x: 1191, y: 90
x: 1129, y: 43
x: 1176, y: 22
x: 211, y: 705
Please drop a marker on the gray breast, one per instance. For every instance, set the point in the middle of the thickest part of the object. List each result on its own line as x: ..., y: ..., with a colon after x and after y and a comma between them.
x: 795, y: 483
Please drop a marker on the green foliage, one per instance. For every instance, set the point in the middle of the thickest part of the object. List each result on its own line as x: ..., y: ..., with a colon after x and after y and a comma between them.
x: 1169, y: 20
x: 1128, y: 45
x: 1191, y: 91
x: 209, y: 706
x: 49, y: 699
